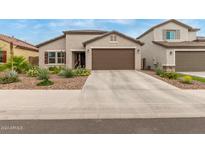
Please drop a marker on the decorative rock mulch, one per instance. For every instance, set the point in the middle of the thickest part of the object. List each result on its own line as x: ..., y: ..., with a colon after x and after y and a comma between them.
x: 194, y: 85
x: 59, y: 83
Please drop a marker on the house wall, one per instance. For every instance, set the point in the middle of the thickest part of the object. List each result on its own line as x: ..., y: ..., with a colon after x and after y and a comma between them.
x: 185, y: 35
x: 74, y: 43
x: 25, y: 53
x: 105, y: 43
x: 17, y: 51
x: 152, y: 53
x: 55, y: 45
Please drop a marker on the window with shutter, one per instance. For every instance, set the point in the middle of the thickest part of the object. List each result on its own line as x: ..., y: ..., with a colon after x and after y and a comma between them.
x: 3, y: 56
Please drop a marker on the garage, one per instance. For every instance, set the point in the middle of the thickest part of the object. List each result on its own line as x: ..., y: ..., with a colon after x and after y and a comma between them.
x: 190, y: 61
x: 113, y: 59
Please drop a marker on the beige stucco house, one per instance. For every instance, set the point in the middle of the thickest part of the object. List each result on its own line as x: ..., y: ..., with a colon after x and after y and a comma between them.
x: 20, y: 48
x: 92, y: 49
x: 173, y: 45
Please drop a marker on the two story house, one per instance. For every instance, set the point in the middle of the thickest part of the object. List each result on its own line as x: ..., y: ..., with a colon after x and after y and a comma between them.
x: 92, y: 49
x: 173, y: 46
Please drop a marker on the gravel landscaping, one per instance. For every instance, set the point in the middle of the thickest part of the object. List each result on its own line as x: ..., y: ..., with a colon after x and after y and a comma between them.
x: 59, y: 83
x: 194, y: 85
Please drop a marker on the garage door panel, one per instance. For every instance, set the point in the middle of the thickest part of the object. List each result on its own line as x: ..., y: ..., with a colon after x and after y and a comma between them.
x: 190, y: 60
x: 113, y: 59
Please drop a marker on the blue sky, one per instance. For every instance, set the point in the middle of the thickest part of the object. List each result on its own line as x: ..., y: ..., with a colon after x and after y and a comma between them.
x: 39, y: 30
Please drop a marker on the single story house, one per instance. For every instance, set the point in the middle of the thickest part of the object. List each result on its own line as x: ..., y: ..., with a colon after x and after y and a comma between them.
x: 20, y: 48
x: 92, y: 49
x: 173, y: 46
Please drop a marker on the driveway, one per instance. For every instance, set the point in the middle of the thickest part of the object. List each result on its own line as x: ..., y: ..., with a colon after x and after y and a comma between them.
x: 199, y: 74
x: 106, y: 94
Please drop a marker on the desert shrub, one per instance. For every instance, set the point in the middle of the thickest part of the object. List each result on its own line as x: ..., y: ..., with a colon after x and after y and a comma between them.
x: 55, y: 69
x: 82, y: 72
x: 170, y: 75
x: 158, y: 71
x: 67, y: 73
x: 10, y: 77
x: 33, y: 72
x: 3, y: 67
x: 186, y: 79
x: 45, y: 83
x: 43, y: 74
x: 20, y: 64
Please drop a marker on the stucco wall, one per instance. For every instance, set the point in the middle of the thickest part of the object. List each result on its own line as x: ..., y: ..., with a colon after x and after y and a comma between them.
x: 55, y: 45
x: 74, y: 42
x: 25, y: 53
x: 152, y: 52
x: 105, y: 43
x: 185, y: 35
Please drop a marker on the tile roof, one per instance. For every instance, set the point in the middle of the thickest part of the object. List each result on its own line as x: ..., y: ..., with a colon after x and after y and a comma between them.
x: 18, y: 43
x: 185, y: 44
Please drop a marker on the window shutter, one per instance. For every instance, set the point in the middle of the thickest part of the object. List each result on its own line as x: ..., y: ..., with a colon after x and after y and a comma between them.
x: 164, y: 34
x: 46, y: 58
x: 4, y: 56
x: 177, y: 34
x: 64, y: 57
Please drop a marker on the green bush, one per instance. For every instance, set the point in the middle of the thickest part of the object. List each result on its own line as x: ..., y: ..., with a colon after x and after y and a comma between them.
x: 45, y: 83
x: 55, y: 69
x: 20, y: 64
x: 3, y: 67
x: 43, y: 74
x: 170, y: 75
x: 158, y: 71
x: 67, y: 73
x: 33, y: 72
x: 186, y: 79
x: 10, y: 77
x: 82, y: 72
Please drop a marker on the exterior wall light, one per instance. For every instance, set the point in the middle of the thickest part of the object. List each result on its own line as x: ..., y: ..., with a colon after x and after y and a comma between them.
x: 170, y: 52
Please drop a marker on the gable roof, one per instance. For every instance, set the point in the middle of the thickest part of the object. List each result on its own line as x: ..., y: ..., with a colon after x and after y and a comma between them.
x: 51, y: 40
x: 180, y: 45
x: 112, y: 32
x: 18, y: 43
x: 168, y: 21
x: 88, y: 31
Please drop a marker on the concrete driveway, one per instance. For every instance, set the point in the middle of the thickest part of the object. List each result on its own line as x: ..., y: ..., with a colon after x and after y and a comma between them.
x: 106, y: 94
x: 200, y: 74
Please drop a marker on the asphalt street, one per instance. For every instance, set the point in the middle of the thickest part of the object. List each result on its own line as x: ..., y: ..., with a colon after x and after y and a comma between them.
x: 105, y: 126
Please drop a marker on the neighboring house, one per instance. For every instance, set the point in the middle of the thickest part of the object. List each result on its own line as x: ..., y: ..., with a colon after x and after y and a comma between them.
x: 173, y: 46
x: 20, y: 48
x: 92, y: 49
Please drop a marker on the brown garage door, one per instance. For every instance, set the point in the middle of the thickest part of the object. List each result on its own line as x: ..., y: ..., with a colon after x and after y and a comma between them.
x: 113, y: 59
x: 190, y: 61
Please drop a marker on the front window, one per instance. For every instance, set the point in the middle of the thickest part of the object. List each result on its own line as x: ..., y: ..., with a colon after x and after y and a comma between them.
x: 61, y: 57
x: 171, y: 35
x: 56, y: 57
x: 51, y: 57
